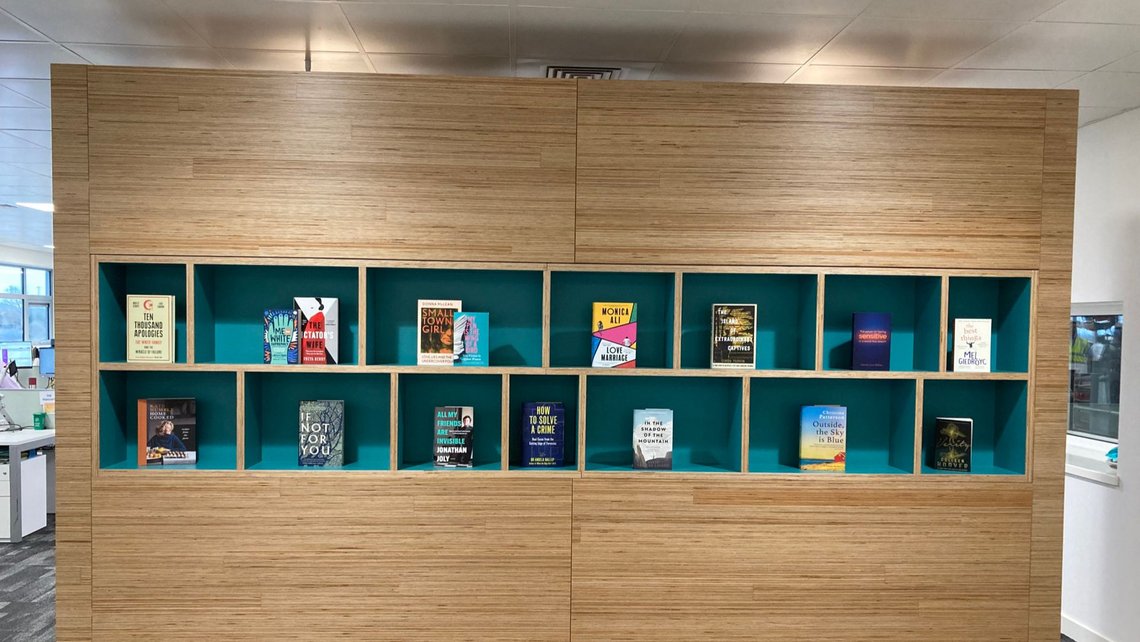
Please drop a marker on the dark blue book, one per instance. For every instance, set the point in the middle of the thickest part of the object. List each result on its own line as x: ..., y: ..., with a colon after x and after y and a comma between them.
x: 871, y: 341
x: 543, y: 434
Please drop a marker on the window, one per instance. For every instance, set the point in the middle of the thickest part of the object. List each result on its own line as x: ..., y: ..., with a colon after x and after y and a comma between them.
x: 1094, y: 370
x: 25, y: 304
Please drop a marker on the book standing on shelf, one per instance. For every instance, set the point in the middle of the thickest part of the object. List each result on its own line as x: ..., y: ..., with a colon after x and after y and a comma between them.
x: 168, y: 432
x: 472, y: 338
x: 953, y: 443
x: 972, y: 345
x: 653, y: 439
x: 280, y: 336
x: 734, y: 336
x: 543, y: 434
x: 823, y: 438
x: 613, y: 343
x: 318, y: 320
x: 454, y: 435
x: 435, y: 340
x: 320, y: 434
x: 870, y: 341
x: 150, y: 328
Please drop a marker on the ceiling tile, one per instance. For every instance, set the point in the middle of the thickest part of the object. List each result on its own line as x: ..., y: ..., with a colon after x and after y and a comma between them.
x: 532, y: 68
x: 265, y: 24
x: 122, y: 22
x: 9, y: 98
x: 25, y: 118
x: 839, y: 75
x: 1002, y: 79
x: 1046, y: 45
x: 295, y: 60
x: 13, y: 176
x: 12, y: 29
x: 909, y: 43
x: 32, y: 59
x: 8, y: 141
x: 431, y: 28
x: 36, y: 90
x: 1090, y: 115
x: 804, y: 7
x: 30, y: 155
x: 36, y: 137
x: 723, y: 71
x: 630, y: 5
x: 1107, y: 89
x: 594, y: 34
x: 440, y: 65
x: 1128, y: 63
x: 1012, y: 10
x: 195, y: 58
x: 718, y: 37
x: 38, y: 169
x: 1121, y: 12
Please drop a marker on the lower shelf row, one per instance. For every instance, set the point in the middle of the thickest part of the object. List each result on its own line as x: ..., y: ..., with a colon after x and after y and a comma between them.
x: 710, y: 419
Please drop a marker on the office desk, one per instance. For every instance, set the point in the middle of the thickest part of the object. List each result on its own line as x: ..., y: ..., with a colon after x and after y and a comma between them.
x: 23, y: 484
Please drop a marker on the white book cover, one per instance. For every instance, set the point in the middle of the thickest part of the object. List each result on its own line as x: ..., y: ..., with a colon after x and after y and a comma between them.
x: 653, y: 438
x: 972, y: 345
x: 318, y: 320
x: 435, y: 337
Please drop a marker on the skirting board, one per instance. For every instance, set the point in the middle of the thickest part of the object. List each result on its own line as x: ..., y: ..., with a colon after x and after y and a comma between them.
x: 1079, y: 632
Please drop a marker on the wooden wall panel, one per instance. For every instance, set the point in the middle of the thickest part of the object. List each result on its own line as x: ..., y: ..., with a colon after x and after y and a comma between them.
x: 808, y: 560
x: 302, y: 557
x: 332, y: 165
x: 73, y: 464
x: 707, y: 173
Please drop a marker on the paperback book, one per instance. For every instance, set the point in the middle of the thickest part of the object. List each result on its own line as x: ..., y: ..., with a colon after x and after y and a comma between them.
x: 871, y: 341
x: 320, y: 432
x: 614, y: 340
x: 435, y: 345
x: 168, y: 432
x: 653, y: 439
x: 953, y: 443
x: 318, y: 319
x: 543, y: 434
x: 823, y: 438
x: 972, y: 345
x: 150, y: 328
x: 472, y: 338
x: 734, y: 335
x: 454, y: 433
x: 280, y: 336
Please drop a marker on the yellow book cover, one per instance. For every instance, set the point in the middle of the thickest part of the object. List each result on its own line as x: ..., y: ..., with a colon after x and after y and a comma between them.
x: 614, y: 340
x: 150, y: 328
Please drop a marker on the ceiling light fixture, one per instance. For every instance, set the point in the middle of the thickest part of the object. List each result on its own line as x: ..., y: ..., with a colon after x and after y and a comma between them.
x: 50, y: 247
x: 43, y: 207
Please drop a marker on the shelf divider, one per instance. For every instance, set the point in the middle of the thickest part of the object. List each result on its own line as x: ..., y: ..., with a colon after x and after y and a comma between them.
x: 189, y: 303
x: 394, y: 422
x: 944, y: 324
x: 505, y: 423
x: 918, y: 396
x: 362, y: 311
x: 819, y: 295
x: 678, y: 286
x: 240, y: 419
x: 745, y: 417
x: 581, y: 423
x: 546, y: 317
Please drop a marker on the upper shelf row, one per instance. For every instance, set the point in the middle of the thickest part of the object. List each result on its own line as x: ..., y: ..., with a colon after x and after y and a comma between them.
x: 803, y: 319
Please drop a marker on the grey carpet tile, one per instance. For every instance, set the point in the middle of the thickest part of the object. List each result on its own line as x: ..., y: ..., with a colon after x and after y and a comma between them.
x: 27, y: 588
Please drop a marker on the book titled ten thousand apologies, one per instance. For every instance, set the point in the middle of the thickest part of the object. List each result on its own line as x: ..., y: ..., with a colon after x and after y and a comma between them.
x: 150, y: 328
x: 613, y: 343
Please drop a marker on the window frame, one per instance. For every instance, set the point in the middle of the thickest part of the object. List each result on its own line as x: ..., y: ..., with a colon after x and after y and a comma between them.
x: 33, y: 299
x: 1093, y: 308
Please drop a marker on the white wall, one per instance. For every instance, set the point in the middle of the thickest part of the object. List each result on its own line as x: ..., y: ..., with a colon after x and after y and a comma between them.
x: 27, y: 257
x: 1101, y: 582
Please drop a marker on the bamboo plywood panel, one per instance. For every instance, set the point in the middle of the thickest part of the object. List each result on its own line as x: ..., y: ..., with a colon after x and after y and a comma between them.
x: 304, y: 556
x: 704, y: 173
x: 73, y: 336
x: 331, y: 165
x: 782, y: 561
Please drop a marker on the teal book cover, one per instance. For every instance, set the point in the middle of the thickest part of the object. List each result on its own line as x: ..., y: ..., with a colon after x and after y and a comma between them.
x: 472, y: 338
x: 823, y: 438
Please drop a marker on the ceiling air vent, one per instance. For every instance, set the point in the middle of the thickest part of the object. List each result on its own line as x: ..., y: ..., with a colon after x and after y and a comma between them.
x: 574, y: 71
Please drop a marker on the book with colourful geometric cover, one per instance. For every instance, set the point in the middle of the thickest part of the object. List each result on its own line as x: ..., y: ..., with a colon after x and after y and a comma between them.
x: 280, y: 336
x: 472, y: 334
x: 614, y: 340
x: 823, y: 438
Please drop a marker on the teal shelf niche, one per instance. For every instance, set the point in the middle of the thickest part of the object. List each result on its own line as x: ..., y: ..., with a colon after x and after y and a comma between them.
x: 272, y: 417
x: 421, y: 394
x: 528, y: 388
x: 116, y: 281
x: 998, y: 409
x: 1006, y: 302
x: 880, y: 423
x: 915, y: 306
x: 216, y: 406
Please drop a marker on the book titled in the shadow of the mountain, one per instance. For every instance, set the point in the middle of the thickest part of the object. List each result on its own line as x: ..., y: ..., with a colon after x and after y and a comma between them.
x: 653, y: 439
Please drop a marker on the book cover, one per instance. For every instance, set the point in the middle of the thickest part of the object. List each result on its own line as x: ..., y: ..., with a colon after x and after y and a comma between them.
x: 734, y: 335
x: 472, y: 338
x: 543, y: 434
x: 168, y: 432
x: 435, y: 340
x: 823, y: 438
x: 454, y: 434
x: 653, y: 439
x: 972, y: 345
x: 953, y: 443
x: 871, y: 341
x: 318, y: 319
x: 150, y: 328
x: 614, y: 340
x: 280, y: 336
x: 320, y: 433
